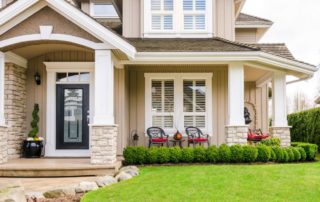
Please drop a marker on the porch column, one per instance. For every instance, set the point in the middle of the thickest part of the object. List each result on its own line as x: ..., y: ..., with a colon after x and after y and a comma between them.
x: 103, y: 131
x: 3, y: 127
x: 236, y: 130
x: 280, y: 126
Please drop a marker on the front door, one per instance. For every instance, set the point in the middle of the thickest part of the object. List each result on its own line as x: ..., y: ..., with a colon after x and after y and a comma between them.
x: 72, y: 130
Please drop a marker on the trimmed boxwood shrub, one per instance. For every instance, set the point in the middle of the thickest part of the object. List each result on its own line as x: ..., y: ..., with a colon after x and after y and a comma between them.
x: 310, y: 149
x: 296, y: 153
x: 273, y: 156
x: 199, y: 154
x: 250, y: 153
x: 263, y: 153
x: 302, y: 153
x: 163, y: 155
x: 224, y: 153
x: 175, y: 154
x: 271, y: 141
x: 278, y: 152
x: 152, y: 155
x: 290, y: 154
x: 135, y: 155
x: 212, y: 154
x: 187, y: 155
x: 236, y: 153
x: 285, y: 157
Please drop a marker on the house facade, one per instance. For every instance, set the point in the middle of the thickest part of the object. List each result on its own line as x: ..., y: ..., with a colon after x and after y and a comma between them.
x: 109, y: 69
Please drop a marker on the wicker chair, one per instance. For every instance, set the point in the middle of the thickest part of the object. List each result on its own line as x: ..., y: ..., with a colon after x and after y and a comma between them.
x: 157, y: 136
x: 195, y: 136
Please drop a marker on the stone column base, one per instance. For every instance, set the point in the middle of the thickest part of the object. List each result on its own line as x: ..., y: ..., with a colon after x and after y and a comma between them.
x: 283, y: 133
x: 236, y: 135
x: 3, y: 144
x: 104, y: 144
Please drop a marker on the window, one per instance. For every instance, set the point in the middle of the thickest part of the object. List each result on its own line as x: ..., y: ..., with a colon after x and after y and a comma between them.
x: 182, y: 18
x: 103, y: 10
x: 176, y: 101
x: 73, y: 77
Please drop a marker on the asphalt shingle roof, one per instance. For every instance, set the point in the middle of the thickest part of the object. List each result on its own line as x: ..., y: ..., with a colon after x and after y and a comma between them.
x: 245, y: 19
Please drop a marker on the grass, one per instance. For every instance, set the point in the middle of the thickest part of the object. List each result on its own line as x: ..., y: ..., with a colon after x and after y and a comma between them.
x: 271, y: 182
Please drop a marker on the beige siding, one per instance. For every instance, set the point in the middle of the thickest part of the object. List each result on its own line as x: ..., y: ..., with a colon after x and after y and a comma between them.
x: 137, y: 97
x: 225, y: 19
x: 246, y: 35
x: 131, y: 18
x: 256, y: 100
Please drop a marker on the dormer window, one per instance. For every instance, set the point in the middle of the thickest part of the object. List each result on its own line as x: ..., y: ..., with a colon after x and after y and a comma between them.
x: 178, y: 18
x: 103, y: 10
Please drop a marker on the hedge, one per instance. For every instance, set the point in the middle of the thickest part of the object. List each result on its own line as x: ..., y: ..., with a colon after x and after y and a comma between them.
x: 223, y: 154
x: 305, y: 126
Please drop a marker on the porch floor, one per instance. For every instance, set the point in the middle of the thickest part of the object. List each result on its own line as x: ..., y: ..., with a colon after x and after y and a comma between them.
x: 56, y: 167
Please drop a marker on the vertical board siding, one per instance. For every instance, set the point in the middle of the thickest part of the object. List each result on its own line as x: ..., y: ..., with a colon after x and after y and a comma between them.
x: 246, y: 35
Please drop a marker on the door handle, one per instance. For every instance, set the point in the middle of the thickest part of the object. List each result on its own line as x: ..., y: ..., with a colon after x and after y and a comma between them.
x: 88, y: 116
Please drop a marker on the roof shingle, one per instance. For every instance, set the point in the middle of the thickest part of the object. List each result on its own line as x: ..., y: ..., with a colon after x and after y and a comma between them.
x: 245, y: 19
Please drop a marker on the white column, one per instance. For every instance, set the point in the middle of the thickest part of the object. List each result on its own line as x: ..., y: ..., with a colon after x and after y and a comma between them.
x: 2, y: 69
x: 104, y: 91
x: 279, y: 105
x: 236, y: 94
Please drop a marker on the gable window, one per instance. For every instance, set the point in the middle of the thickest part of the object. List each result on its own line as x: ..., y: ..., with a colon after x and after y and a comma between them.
x: 194, y: 14
x: 103, y: 10
x: 161, y: 15
x: 176, y: 101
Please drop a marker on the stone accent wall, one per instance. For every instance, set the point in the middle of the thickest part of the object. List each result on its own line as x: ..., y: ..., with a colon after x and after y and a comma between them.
x: 104, y: 144
x: 236, y: 135
x: 283, y: 133
x: 15, y: 108
x: 3, y: 145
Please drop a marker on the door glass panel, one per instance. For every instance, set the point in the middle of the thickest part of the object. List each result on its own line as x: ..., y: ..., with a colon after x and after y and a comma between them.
x: 62, y: 77
x: 73, y: 102
x: 73, y: 76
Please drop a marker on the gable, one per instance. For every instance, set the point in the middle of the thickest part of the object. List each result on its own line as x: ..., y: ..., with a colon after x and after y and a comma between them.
x: 49, y: 17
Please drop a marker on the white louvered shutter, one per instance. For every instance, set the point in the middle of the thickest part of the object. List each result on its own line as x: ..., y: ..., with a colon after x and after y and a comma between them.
x: 162, y: 15
x: 194, y: 14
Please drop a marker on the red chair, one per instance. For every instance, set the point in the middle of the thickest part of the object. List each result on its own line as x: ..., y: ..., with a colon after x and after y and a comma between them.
x: 195, y: 136
x: 257, y: 135
x: 157, y: 136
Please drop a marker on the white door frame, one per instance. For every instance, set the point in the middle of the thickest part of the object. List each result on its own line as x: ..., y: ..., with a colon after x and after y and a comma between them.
x: 52, y: 69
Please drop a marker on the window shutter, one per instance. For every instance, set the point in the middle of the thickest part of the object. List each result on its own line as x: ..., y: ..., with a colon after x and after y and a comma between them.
x: 188, y: 22
x: 168, y: 5
x: 167, y: 22
x: 200, y: 5
x: 156, y: 22
x: 188, y: 5
x: 155, y: 5
x: 200, y: 22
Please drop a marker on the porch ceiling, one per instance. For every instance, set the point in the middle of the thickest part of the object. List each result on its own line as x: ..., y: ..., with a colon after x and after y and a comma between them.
x: 253, y: 74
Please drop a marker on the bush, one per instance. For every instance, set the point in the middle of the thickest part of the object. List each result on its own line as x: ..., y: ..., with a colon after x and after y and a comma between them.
x: 135, y: 155
x: 163, y: 155
x: 263, y: 153
x: 152, y: 155
x: 199, y: 154
x: 224, y: 154
x: 285, y: 157
x: 290, y: 154
x: 278, y: 152
x: 310, y: 149
x: 212, y: 154
x: 187, y: 155
x: 296, y: 153
x: 250, y: 153
x: 302, y: 153
x: 271, y: 141
x: 175, y: 154
x: 236, y: 153
x: 273, y: 156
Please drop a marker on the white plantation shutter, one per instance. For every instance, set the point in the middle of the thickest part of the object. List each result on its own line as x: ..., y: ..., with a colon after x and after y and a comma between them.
x: 194, y: 14
x: 161, y: 14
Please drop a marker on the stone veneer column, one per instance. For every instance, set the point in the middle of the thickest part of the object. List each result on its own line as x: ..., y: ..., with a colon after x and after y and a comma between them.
x: 283, y: 133
x: 3, y: 145
x: 236, y: 135
x: 15, y: 108
x: 104, y: 144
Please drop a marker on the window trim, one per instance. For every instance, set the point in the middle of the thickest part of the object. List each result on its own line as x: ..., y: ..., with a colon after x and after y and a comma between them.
x: 92, y: 3
x: 178, y: 119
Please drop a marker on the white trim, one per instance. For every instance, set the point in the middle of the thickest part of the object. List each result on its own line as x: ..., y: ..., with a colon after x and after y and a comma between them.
x: 253, y: 26
x: 11, y: 57
x: 2, y: 77
x: 279, y: 100
x: 178, y: 87
x: 52, y: 68
x: 266, y: 78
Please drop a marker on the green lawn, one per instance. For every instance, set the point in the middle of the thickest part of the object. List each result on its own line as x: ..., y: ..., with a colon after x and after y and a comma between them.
x: 273, y: 182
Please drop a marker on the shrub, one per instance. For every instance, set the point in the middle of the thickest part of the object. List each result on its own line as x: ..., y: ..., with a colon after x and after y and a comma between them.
x: 175, y: 154
x: 310, y: 149
x: 224, y: 153
x: 296, y: 153
x: 199, y: 154
x: 250, y: 153
x: 236, y: 153
x: 152, y: 155
x: 263, y: 153
x: 212, y: 154
x: 187, y: 155
x: 273, y: 156
x: 271, y: 141
x: 135, y: 155
x: 285, y: 157
x: 302, y: 153
x: 163, y: 155
x: 278, y: 153
x: 290, y: 154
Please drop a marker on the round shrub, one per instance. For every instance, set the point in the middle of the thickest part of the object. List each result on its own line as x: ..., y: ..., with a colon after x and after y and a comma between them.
x: 236, y: 153
x: 175, y: 154
x: 153, y: 155
x: 224, y: 154
x: 187, y: 155
x: 302, y: 153
x: 250, y: 153
x: 278, y: 152
x: 296, y: 153
x: 199, y: 154
x: 290, y: 154
x: 135, y: 155
x: 273, y: 156
x: 263, y: 153
x: 285, y: 157
x: 163, y: 155
x: 271, y: 141
x: 212, y: 154
x: 310, y: 149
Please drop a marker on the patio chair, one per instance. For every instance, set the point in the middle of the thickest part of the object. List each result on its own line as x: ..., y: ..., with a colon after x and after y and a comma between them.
x: 195, y: 136
x: 257, y: 135
x: 157, y: 136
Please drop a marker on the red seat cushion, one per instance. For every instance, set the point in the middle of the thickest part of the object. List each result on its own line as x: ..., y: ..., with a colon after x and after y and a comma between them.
x: 198, y: 140
x: 159, y: 140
